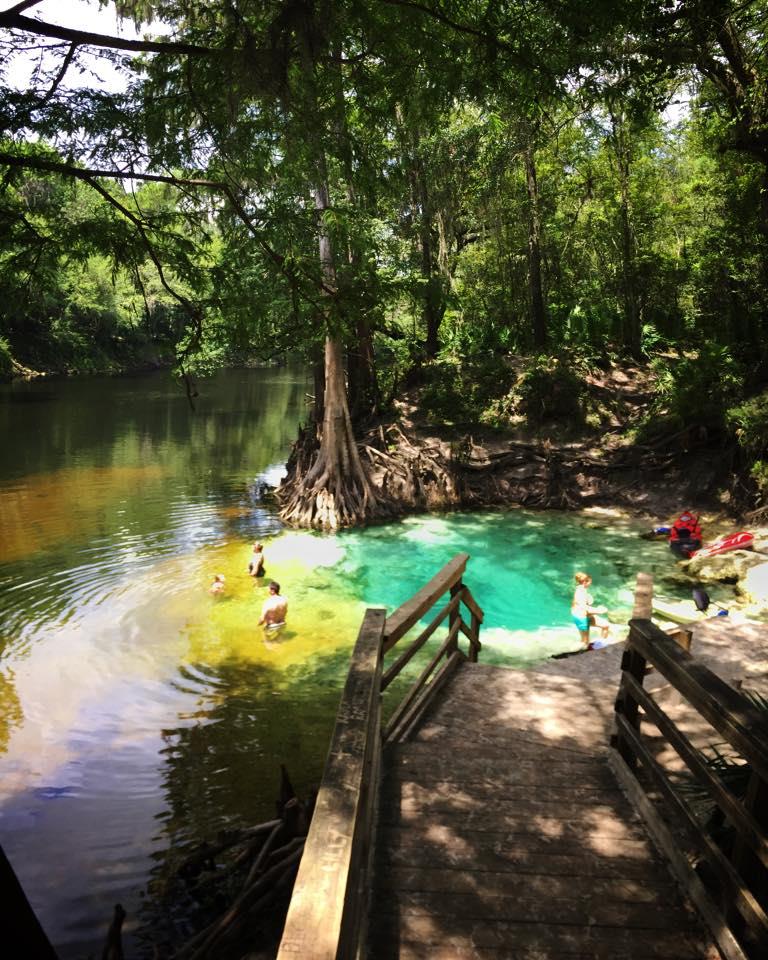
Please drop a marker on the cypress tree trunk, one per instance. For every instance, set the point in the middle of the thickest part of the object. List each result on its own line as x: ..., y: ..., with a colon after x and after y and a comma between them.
x: 632, y: 325
x: 332, y: 490
x: 433, y: 296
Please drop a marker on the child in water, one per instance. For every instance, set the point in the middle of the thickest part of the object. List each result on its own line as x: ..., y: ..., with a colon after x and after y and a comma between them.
x: 217, y: 587
x: 256, y: 565
x: 583, y: 611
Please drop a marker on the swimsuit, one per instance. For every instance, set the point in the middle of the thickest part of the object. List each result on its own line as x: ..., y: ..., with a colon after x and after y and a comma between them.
x: 582, y: 623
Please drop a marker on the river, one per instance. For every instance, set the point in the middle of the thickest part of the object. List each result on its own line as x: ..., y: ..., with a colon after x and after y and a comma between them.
x: 139, y: 714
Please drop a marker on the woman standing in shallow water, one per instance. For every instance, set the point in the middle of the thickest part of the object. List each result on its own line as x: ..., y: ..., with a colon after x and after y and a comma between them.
x: 583, y: 611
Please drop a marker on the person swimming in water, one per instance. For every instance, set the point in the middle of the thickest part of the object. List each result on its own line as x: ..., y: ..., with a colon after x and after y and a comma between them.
x: 256, y: 565
x: 274, y: 609
x: 217, y: 587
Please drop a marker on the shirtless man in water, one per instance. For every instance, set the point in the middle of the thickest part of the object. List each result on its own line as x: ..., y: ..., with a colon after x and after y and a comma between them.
x: 275, y: 607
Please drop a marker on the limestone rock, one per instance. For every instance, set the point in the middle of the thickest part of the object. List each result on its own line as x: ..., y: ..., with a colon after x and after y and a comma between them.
x: 754, y: 586
x: 724, y: 567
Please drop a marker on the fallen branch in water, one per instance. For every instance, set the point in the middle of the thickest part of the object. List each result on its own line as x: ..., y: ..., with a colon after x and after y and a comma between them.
x: 245, y: 876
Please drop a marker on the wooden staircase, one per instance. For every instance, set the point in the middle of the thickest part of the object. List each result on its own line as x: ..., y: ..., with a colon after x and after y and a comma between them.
x: 508, y: 814
x: 503, y: 834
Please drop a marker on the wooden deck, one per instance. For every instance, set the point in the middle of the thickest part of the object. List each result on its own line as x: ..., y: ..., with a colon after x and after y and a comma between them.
x: 483, y: 818
x: 502, y: 833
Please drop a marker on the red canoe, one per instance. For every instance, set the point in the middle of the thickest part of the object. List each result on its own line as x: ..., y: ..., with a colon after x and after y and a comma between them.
x: 732, y: 541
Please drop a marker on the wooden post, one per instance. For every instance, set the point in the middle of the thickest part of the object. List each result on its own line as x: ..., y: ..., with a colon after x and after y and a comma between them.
x: 634, y: 664
x: 453, y: 617
x: 474, y: 629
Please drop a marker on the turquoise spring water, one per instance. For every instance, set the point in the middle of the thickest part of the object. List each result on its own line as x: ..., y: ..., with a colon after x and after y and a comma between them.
x: 520, y: 570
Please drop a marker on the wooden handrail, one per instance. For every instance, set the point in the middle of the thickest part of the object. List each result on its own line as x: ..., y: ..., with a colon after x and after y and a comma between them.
x: 401, y: 621
x: 328, y: 909
x: 408, y: 654
x: 725, y: 708
x: 446, y: 580
x: 445, y: 647
x: 329, y: 900
x: 740, y: 903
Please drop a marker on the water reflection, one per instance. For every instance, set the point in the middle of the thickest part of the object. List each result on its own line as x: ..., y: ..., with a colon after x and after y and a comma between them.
x: 140, y: 714
x: 110, y: 495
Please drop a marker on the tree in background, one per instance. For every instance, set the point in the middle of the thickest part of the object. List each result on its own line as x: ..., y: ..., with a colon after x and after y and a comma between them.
x: 449, y: 182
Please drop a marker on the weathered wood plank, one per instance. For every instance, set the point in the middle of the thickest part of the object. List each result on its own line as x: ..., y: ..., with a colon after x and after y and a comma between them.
x: 496, y: 751
x: 585, y: 910
x: 435, y: 951
x: 551, y: 888
x: 329, y: 873
x: 590, y: 808
x: 591, y: 940
x: 729, y: 711
x: 401, y: 621
x: 572, y: 775
x: 437, y: 796
x: 460, y: 847
x: 480, y: 859
x: 491, y: 820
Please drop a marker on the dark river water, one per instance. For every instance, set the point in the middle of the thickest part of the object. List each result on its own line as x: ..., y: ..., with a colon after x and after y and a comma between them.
x: 140, y: 715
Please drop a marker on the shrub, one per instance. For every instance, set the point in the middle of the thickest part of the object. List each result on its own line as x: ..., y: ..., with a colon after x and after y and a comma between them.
x: 696, y: 390
x: 749, y: 423
x: 460, y: 390
x: 6, y: 362
x: 550, y: 390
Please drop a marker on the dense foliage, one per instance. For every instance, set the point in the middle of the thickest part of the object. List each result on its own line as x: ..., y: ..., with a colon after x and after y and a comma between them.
x: 484, y: 180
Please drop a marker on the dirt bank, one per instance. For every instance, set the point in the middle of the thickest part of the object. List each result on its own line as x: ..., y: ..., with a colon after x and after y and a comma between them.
x: 423, y: 465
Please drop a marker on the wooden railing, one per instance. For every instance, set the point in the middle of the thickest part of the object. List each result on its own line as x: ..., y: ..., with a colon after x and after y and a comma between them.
x: 329, y: 906
x: 734, y: 899
x: 449, y: 579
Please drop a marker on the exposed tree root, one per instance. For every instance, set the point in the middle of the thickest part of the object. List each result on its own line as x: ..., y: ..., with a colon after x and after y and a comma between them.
x: 410, y: 472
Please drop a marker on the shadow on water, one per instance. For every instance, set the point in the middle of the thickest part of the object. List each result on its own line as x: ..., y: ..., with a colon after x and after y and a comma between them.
x: 220, y: 771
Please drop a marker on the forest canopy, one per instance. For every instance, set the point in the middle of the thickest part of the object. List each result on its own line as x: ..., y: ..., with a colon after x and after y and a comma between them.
x: 390, y: 186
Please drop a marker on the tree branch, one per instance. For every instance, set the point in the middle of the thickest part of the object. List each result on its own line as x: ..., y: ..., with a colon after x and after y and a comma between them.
x: 24, y: 5
x: 12, y: 20
x: 129, y: 215
x: 84, y: 173
x: 488, y: 38
x: 60, y: 75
